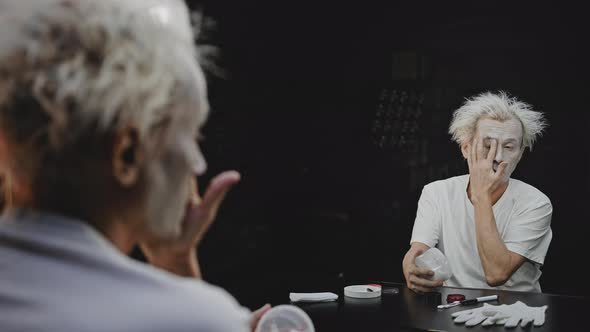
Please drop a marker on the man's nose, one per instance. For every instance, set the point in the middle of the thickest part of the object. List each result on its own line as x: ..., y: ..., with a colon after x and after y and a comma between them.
x: 198, y: 162
x: 499, y: 155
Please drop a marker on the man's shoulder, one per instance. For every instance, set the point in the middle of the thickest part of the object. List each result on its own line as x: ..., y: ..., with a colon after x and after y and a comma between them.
x: 211, y: 302
x: 183, y: 302
x: 217, y: 309
x: 525, y: 193
x: 168, y: 285
x: 450, y: 184
x: 154, y: 297
x: 159, y: 297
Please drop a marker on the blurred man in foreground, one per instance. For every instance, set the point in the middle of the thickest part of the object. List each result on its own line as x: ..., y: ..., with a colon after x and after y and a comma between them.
x: 101, y: 103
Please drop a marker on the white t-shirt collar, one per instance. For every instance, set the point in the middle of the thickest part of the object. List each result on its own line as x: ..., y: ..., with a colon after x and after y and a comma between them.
x: 498, y: 205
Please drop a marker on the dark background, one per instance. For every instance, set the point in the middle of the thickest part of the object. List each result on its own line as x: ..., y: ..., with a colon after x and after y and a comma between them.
x: 336, y: 115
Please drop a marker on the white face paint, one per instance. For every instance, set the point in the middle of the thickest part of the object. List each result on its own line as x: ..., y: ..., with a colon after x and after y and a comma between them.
x: 508, y: 134
x: 170, y: 172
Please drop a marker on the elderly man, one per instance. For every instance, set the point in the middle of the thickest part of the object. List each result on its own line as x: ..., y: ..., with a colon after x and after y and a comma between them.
x: 494, y: 230
x: 100, y: 106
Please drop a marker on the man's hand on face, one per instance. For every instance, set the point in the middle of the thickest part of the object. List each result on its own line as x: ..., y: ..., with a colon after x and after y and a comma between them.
x: 257, y: 315
x: 418, y: 279
x: 483, y: 180
x: 177, y: 255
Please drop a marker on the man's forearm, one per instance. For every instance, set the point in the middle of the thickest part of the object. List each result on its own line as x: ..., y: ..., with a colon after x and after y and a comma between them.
x: 494, y: 256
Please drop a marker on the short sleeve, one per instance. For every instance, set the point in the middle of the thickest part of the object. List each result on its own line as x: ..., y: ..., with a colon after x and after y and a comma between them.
x: 529, y: 233
x: 428, y: 219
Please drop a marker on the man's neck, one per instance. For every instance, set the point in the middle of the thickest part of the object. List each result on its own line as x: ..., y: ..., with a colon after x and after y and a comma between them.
x: 122, y: 235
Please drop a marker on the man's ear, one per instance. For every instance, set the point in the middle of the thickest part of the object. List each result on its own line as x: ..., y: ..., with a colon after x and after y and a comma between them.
x: 127, y: 156
x: 465, y: 150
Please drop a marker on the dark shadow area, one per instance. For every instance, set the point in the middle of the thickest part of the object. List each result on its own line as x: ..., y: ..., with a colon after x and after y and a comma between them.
x: 336, y: 115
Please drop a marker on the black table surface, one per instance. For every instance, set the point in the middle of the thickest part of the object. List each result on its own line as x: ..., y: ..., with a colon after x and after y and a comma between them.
x: 408, y: 311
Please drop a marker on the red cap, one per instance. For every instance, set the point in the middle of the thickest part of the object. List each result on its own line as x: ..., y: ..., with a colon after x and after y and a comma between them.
x: 455, y: 297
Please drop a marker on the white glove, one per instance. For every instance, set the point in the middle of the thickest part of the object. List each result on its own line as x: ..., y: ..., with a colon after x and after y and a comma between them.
x: 507, y: 315
x: 488, y: 314
x: 525, y: 314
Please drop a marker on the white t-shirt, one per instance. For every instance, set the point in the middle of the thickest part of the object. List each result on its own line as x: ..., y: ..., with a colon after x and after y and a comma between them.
x: 59, y: 274
x: 445, y: 219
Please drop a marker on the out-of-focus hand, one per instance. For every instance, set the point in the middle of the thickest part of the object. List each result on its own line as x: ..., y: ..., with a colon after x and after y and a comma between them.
x: 257, y: 315
x: 179, y: 255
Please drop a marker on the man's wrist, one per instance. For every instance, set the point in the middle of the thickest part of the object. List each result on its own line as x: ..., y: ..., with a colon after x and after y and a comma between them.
x: 481, y: 200
x: 409, y: 257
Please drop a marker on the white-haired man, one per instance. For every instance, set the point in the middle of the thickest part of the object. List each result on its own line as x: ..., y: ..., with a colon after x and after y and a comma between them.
x: 100, y: 106
x: 494, y: 230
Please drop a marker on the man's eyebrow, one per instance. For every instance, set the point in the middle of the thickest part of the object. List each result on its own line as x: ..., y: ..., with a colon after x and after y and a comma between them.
x: 510, y: 140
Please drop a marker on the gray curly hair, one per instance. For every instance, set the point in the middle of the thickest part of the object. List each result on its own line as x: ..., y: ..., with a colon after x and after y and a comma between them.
x: 497, y: 106
x: 74, y: 71
x: 71, y: 69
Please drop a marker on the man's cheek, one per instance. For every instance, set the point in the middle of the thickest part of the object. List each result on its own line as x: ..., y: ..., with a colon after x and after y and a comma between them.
x: 510, y: 169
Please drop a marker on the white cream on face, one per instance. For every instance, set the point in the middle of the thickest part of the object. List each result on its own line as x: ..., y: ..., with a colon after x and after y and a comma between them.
x: 180, y: 160
x: 508, y: 135
x: 168, y: 177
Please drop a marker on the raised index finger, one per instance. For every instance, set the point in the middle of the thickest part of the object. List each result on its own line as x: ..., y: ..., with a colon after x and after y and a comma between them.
x: 217, y: 189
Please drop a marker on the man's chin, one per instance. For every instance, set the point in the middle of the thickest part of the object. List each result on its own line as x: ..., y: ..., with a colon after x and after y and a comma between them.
x: 172, y: 233
x: 166, y: 232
